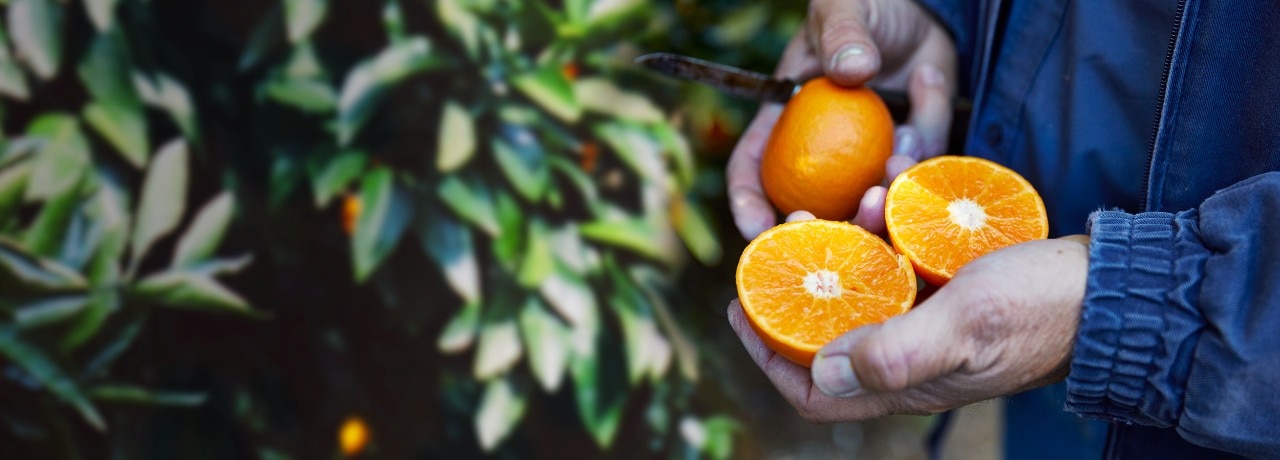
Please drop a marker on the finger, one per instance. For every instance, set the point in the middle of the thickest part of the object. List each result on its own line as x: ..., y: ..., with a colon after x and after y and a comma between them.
x: 839, y: 35
x: 899, y: 354
x: 791, y: 380
x: 896, y: 165
x: 871, y: 210
x: 800, y: 215
x: 930, y: 95
x: 752, y: 212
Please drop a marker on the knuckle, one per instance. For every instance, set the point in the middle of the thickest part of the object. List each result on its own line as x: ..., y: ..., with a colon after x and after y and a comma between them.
x: 885, y: 367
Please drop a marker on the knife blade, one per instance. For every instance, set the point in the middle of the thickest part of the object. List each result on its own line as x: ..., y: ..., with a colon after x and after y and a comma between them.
x: 730, y: 80
x: 760, y: 87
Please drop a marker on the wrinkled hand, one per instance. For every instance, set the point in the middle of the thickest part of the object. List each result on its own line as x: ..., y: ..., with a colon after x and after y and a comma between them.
x: 1005, y: 323
x: 891, y: 43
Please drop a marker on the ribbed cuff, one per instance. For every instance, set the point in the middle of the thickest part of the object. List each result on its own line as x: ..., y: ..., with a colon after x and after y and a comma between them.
x: 1128, y: 365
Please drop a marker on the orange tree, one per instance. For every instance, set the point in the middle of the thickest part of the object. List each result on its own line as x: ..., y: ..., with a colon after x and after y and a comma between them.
x: 475, y: 225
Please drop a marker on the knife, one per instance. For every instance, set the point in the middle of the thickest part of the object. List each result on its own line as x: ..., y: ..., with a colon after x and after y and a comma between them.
x: 756, y: 86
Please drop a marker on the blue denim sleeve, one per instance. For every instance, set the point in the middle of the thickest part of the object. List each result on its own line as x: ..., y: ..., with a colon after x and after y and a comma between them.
x: 1181, y: 320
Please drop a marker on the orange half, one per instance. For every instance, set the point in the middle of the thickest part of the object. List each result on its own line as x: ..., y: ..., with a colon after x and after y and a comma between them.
x: 805, y: 283
x: 949, y: 210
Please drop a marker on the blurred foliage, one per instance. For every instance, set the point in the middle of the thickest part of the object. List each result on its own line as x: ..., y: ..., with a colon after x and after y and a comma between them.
x: 489, y: 184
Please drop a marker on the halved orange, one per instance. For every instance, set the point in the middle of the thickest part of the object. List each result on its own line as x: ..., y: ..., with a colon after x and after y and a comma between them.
x: 949, y: 210
x: 805, y: 283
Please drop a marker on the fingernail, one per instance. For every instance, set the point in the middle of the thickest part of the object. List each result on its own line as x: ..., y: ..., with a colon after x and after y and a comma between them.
x: 906, y: 142
x: 800, y: 215
x: 834, y: 376
x: 930, y: 75
x: 847, y: 59
x: 871, y: 200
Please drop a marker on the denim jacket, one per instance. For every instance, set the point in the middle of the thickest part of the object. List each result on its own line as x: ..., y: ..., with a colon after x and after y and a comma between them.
x: 1164, y: 117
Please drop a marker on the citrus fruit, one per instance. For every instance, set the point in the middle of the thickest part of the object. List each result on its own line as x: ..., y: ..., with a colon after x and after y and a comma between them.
x: 946, y: 211
x: 828, y: 147
x: 805, y: 283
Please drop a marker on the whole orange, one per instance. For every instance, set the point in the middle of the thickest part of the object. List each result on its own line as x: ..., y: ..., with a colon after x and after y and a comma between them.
x: 828, y: 147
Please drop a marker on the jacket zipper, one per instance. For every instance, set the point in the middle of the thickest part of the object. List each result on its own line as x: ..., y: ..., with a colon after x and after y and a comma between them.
x: 1163, y: 102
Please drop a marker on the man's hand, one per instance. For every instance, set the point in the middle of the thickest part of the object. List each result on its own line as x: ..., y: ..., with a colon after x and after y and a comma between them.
x: 891, y: 43
x: 1005, y: 323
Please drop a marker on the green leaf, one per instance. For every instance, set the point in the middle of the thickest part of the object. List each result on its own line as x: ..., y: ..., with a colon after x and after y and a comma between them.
x: 648, y: 353
x: 457, y: 139
x: 109, y: 208
x: 286, y: 175
x: 369, y: 81
x: 116, y: 344
x: 510, y: 238
x: 117, y: 111
x: 36, y: 29
x: 499, y: 411
x: 393, y: 21
x: 631, y: 233
x: 547, y: 340
x: 331, y: 175
x: 524, y: 166
x: 62, y: 159
x: 638, y: 150
x: 450, y: 245
x: 21, y: 268
x: 102, y: 13
x: 719, y: 436
x: 460, y: 332
x: 190, y: 290
x: 13, y: 181
x: 694, y: 227
x: 677, y: 148
x: 385, y: 216
x: 163, y: 92
x: 741, y: 25
x: 267, y: 35
x: 206, y: 231
x: 602, y: 96
x: 568, y: 295
x: 462, y: 24
x: 302, y: 17
x: 164, y: 195
x: 46, y: 235
x: 130, y: 394
x: 499, y: 349
x: 49, y: 310
x: 549, y: 88
x: 101, y: 304
x: 537, y: 262
x: 600, y: 400
x: 310, y: 95
x: 35, y: 362
x: 580, y: 180
x: 219, y: 267
x: 471, y: 200
x: 686, y: 351
x: 13, y: 82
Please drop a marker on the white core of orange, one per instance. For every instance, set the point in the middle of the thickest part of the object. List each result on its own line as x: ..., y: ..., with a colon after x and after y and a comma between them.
x: 967, y: 214
x: 823, y: 284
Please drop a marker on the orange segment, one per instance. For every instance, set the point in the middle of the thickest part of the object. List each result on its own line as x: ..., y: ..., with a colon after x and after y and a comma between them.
x: 949, y: 210
x: 805, y: 283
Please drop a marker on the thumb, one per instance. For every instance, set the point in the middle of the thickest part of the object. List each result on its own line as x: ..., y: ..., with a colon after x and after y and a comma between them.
x: 899, y: 354
x: 839, y: 35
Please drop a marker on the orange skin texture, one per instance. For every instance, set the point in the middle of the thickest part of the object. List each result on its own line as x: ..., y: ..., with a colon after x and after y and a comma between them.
x: 828, y: 147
